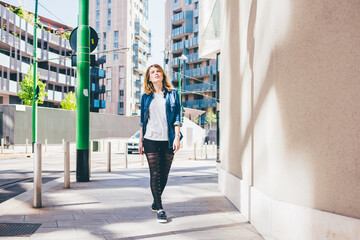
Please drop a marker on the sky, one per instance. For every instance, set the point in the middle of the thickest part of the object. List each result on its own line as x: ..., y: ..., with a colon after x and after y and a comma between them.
x: 66, y: 11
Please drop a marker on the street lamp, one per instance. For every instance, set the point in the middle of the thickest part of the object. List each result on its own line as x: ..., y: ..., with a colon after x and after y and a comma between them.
x: 182, y: 58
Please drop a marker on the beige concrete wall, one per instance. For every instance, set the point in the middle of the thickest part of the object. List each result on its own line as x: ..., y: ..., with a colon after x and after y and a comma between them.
x: 289, y: 100
x: 58, y: 124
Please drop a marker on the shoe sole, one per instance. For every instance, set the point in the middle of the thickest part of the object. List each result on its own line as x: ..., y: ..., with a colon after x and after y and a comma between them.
x: 162, y: 221
x: 153, y: 210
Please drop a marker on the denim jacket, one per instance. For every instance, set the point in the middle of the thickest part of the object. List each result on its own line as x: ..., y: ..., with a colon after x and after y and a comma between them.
x: 172, y: 107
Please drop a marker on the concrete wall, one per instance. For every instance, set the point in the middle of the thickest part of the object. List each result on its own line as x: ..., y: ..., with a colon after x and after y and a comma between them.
x: 290, y: 116
x: 56, y: 124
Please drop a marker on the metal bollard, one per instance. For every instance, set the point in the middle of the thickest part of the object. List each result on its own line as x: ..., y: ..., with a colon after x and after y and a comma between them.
x: 45, y: 144
x: 205, y: 150
x: 109, y: 157
x: 201, y: 150
x: 126, y: 155
x: 2, y: 145
x: 26, y: 145
x: 67, y: 165
x: 142, y: 160
x: 37, y: 175
x: 194, y: 151
x: 90, y: 152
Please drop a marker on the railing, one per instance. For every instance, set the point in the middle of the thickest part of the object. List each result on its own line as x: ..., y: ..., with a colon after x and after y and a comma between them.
x: 50, y: 95
x: 58, y: 96
x: 139, y: 67
x: 178, y: 31
x: 201, y: 87
x: 192, y: 42
x: 13, y: 86
x: 140, y: 33
x: 200, y: 71
x: 178, y: 46
x: 196, y: 28
x: 142, y: 46
x: 62, y: 78
x: 196, y: 12
x: 4, y: 60
x: 97, y: 72
x: 178, y: 17
x: 201, y: 103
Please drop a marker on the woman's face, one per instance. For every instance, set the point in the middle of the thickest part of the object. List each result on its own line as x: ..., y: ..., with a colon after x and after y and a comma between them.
x: 155, y: 75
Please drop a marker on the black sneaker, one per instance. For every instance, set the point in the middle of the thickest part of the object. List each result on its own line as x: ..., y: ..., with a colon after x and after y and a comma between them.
x: 161, y: 216
x: 153, y: 207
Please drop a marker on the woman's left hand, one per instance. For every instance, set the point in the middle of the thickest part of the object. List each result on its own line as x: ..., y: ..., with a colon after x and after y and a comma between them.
x: 176, y: 144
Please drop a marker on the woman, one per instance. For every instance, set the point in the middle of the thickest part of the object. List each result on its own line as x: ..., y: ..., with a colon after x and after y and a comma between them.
x: 159, y: 131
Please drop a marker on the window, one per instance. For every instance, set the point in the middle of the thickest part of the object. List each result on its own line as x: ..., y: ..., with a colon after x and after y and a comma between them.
x: 108, y: 25
x: 116, y: 46
x: 104, y: 47
x: 97, y: 15
x: 116, y: 36
x: 121, y: 104
x: 121, y: 92
x: 116, y: 56
x: 108, y: 96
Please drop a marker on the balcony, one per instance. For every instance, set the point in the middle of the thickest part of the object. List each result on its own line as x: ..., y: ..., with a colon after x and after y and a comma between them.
x: 58, y: 96
x: 196, y: 28
x: 178, y: 46
x: 138, y: 83
x: 178, y: 17
x: 139, y: 34
x: 187, y: 28
x: 196, y: 13
x: 141, y: 46
x: 97, y: 88
x: 201, y: 87
x: 139, y: 68
x: 202, y: 71
x: 192, y: 42
x: 201, y: 103
x: 97, y: 72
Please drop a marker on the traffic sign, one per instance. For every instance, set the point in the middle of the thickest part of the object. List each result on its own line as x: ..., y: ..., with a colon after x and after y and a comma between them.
x: 93, y: 39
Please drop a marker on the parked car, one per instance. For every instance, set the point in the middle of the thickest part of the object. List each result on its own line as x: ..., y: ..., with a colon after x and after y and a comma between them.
x: 133, y: 143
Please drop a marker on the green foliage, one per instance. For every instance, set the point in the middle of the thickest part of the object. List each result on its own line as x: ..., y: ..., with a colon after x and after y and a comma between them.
x: 27, y: 86
x: 69, y: 102
x: 195, y: 120
x: 210, y: 116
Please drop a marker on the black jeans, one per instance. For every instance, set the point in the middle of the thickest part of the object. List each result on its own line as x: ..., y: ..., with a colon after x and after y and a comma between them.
x: 159, y: 157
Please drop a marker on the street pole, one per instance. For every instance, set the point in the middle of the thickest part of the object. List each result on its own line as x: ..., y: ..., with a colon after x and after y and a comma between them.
x: 34, y: 102
x: 179, y: 88
x: 217, y: 109
x: 82, y: 94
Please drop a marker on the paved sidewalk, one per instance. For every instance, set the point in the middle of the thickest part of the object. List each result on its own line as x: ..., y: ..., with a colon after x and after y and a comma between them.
x: 116, y: 205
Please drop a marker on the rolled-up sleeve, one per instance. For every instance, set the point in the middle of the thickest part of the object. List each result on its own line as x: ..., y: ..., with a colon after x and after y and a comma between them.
x: 142, y: 111
x: 177, y: 110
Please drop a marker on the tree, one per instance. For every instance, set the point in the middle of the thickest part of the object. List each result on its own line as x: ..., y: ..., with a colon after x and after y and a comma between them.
x: 69, y: 102
x: 210, y: 116
x: 27, y: 88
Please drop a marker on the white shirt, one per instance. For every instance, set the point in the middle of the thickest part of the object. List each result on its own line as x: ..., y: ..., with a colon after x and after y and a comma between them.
x: 156, y: 128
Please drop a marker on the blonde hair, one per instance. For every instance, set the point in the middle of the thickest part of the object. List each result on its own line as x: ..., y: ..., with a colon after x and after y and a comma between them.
x: 149, y: 87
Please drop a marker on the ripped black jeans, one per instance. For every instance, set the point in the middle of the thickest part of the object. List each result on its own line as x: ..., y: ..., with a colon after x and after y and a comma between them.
x: 159, y: 157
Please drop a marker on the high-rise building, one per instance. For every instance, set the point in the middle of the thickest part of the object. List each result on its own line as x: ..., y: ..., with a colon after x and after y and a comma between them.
x: 124, y: 38
x: 198, y: 75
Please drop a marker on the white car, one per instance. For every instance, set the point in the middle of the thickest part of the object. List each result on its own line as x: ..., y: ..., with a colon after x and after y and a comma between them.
x: 133, y: 143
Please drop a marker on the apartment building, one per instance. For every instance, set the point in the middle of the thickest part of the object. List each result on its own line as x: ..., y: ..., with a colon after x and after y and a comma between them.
x: 16, y: 55
x: 198, y: 75
x: 124, y: 38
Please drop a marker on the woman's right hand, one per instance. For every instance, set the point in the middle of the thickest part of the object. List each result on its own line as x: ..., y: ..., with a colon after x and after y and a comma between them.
x: 141, y: 149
